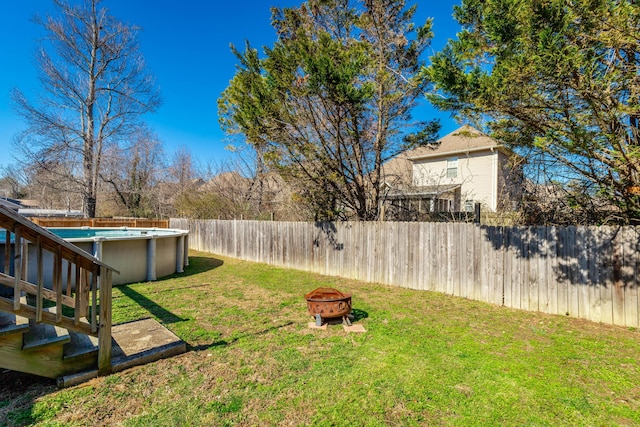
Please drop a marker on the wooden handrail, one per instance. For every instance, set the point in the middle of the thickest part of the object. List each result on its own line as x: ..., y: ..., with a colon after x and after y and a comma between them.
x: 90, y: 301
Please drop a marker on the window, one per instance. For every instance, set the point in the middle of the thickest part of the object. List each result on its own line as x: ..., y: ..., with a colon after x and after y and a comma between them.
x: 452, y: 167
x: 468, y: 205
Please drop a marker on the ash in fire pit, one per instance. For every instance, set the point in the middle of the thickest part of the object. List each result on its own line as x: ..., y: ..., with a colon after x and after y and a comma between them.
x: 329, y: 303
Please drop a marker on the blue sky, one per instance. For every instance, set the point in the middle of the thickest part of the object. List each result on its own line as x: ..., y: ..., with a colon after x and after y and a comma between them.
x: 186, y: 46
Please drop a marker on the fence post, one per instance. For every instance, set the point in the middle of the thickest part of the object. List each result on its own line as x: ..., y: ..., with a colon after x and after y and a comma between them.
x: 476, y: 219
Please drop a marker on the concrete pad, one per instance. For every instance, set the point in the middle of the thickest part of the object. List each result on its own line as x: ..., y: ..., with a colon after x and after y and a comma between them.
x: 312, y: 325
x: 143, y: 341
x: 354, y: 328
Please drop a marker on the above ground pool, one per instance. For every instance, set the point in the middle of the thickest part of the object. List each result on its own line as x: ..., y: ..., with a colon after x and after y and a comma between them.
x: 139, y: 254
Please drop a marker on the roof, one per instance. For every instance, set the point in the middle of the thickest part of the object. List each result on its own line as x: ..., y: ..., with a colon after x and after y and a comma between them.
x: 463, y: 140
x: 398, y: 170
x: 9, y: 203
x: 51, y: 213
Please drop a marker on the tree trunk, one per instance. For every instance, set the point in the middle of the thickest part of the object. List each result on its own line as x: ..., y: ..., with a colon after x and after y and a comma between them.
x: 89, y: 206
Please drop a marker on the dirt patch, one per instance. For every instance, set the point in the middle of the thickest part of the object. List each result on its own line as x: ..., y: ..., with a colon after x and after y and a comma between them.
x: 18, y: 391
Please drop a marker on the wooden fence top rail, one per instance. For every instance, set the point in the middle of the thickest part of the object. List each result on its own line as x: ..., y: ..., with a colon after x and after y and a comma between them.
x: 101, y: 222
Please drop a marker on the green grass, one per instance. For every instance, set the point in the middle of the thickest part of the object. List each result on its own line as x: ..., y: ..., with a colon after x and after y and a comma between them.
x: 426, y: 359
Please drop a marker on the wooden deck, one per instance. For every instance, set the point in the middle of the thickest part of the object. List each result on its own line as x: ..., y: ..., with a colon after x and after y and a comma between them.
x: 63, y: 330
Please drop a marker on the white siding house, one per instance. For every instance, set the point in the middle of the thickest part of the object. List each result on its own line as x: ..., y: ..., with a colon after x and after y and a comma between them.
x: 465, y: 167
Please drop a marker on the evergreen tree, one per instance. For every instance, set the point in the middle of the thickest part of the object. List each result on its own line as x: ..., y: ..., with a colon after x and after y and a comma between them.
x: 558, y: 77
x: 332, y: 99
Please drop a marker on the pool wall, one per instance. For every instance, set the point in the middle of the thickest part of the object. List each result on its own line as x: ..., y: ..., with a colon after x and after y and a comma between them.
x: 138, y: 254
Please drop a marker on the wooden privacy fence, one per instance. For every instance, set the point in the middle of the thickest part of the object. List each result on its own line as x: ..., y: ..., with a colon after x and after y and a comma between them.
x: 583, y: 272
x: 101, y: 222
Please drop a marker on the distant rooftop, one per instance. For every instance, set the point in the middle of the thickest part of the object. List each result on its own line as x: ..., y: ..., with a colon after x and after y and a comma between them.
x: 50, y: 213
x: 461, y: 141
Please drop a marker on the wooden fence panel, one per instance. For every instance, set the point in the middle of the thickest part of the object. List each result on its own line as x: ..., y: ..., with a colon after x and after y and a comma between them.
x: 569, y: 266
x: 496, y: 268
x: 427, y: 257
x: 469, y: 261
x: 476, y: 293
x: 596, y: 262
x: 630, y: 277
x: 523, y: 289
x: 562, y: 289
x: 585, y: 272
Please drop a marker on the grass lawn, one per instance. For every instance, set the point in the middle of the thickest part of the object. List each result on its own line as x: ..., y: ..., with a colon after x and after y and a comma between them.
x: 426, y: 359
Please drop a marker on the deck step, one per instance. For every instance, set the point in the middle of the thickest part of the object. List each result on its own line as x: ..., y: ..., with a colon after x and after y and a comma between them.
x: 12, y: 324
x: 80, y: 346
x: 43, y: 335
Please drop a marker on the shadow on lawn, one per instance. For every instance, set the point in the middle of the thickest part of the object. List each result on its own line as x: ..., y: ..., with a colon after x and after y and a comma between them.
x: 151, y: 306
x: 358, y: 314
x: 196, y: 265
x: 224, y: 343
x: 19, y: 392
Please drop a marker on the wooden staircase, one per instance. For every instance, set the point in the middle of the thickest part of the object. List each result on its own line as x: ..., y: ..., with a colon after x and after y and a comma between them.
x: 57, y: 323
x: 44, y: 349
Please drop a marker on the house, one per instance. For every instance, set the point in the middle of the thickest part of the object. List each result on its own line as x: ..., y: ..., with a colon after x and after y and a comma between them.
x: 463, y: 168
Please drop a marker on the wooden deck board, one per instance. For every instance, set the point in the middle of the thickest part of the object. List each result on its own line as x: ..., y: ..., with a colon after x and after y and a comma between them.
x: 44, y: 335
x: 81, y: 345
x: 12, y: 324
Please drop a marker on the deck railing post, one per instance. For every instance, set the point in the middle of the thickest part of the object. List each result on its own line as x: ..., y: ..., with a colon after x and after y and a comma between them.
x: 7, y: 252
x: 24, y: 247
x: 104, y: 333
x: 94, y: 298
x: 57, y: 281
x: 39, y: 278
x: 17, y: 266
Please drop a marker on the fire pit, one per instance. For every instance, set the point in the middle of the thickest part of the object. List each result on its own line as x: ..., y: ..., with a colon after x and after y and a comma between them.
x: 329, y: 303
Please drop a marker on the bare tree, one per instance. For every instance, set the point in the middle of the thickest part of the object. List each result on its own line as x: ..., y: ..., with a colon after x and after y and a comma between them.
x: 239, y: 187
x: 95, y: 90
x: 133, y: 173
x: 181, y: 170
x: 54, y: 187
x: 12, y: 181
